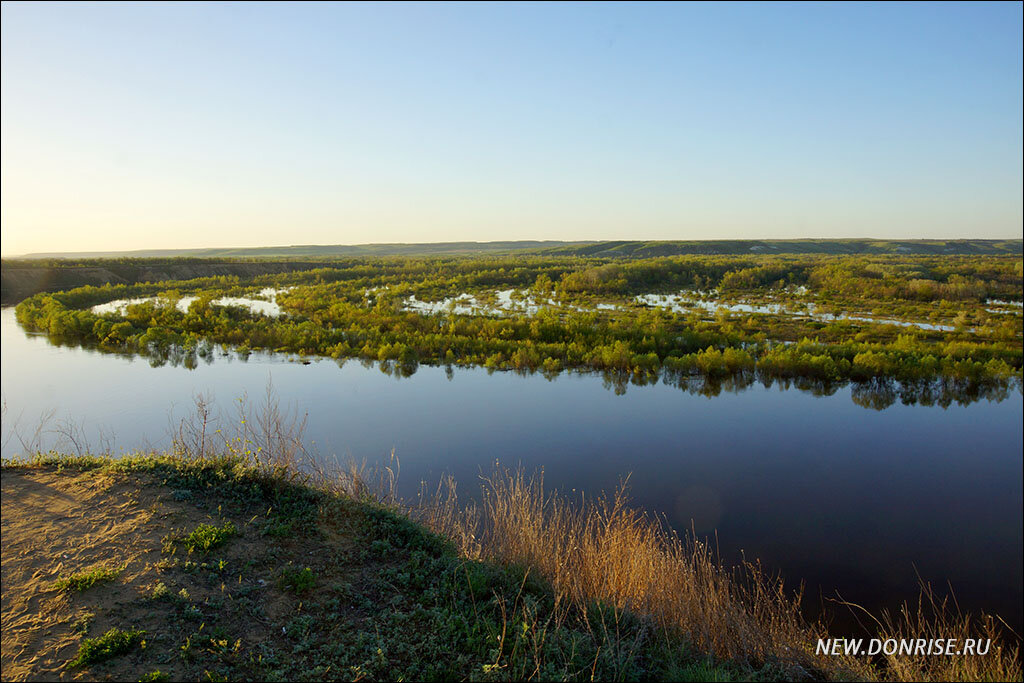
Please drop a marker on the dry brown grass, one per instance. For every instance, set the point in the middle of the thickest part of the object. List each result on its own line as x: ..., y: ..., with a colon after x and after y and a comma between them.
x: 934, y: 618
x: 606, y: 551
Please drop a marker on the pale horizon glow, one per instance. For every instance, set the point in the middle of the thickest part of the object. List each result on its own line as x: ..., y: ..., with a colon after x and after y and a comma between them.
x: 201, y: 125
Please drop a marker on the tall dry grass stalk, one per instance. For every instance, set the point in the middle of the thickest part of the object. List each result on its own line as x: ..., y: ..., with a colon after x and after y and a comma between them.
x: 935, y: 618
x: 266, y: 435
x: 606, y: 551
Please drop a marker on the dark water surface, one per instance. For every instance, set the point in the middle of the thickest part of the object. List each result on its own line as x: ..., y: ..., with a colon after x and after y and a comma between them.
x: 822, y: 489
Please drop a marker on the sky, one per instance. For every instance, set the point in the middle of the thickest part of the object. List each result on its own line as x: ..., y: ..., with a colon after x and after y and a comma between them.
x: 189, y: 125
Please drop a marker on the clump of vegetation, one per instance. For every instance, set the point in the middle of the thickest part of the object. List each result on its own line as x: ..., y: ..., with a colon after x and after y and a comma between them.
x: 111, y: 644
x: 295, y: 579
x: 81, y: 624
x: 206, y: 537
x: 156, y: 675
x: 161, y: 593
x: 81, y: 581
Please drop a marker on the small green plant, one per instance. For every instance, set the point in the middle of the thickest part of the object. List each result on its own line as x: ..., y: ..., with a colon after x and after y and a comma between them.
x: 111, y: 644
x: 277, y: 528
x: 207, y: 537
x: 161, y: 592
x: 297, y: 580
x: 187, y: 648
x: 81, y: 624
x: 156, y: 675
x: 80, y: 581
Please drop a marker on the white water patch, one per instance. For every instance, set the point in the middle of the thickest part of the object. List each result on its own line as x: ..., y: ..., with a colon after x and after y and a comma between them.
x: 686, y: 302
x: 463, y: 304
x: 504, y: 298
x: 270, y: 293
x: 1007, y: 307
x: 886, y: 321
x: 119, y: 305
x: 518, y: 300
x: 507, y: 301
x: 268, y: 307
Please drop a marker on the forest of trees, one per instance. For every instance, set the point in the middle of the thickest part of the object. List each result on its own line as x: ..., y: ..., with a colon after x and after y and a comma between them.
x: 355, y: 309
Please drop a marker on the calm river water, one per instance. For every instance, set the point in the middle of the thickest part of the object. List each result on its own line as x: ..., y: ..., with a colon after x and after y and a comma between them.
x: 819, y: 488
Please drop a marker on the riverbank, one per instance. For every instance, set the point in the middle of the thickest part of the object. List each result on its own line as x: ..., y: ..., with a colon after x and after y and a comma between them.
x: 302, y: 586
x: 224, y: 569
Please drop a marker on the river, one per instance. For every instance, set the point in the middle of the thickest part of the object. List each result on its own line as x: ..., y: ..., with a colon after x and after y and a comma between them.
x: 817, y: 487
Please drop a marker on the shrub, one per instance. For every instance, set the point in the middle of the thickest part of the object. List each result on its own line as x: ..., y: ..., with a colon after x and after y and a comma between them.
x: 207, y: 537
x: 111, y: 644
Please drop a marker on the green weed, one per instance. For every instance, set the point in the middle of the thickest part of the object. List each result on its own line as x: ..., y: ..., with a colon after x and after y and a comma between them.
x: 111, y: 644
x: 81, y: 581
x: 297, y: 580
x: 206, y: 537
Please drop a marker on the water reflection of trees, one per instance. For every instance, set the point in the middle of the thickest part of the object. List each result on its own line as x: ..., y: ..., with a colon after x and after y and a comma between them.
x: 710, y: 387
x: 618, y: 380
x: 187, y: 357
x: 877, y: 393
x: 398, y: 369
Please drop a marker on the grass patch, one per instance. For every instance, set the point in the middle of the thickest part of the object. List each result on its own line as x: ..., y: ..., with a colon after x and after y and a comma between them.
x: 81, y: 581
x: 111, y: 644
x: 206, y: 537
x: 295, y: 579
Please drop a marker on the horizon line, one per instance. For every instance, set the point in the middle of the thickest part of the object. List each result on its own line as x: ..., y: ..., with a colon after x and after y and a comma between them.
x: 98, y: 252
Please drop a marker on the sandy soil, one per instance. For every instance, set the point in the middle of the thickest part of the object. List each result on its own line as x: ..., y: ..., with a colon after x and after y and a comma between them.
x: 57, y: 523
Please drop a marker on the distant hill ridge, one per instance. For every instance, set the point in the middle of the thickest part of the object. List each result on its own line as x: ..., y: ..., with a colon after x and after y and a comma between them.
x: 608, y: 249
x: 636, y: 249
x: 320, y: 250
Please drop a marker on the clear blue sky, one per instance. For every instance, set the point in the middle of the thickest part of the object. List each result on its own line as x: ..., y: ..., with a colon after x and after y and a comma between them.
x: 132, y: 126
